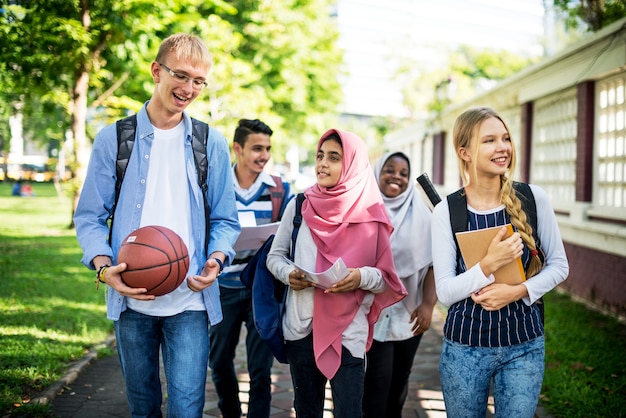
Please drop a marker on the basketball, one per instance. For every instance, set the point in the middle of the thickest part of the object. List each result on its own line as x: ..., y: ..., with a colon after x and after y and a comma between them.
x: 156, y: 258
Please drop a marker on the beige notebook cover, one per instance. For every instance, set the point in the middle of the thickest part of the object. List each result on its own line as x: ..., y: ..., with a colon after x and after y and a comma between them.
x: 474, y: 245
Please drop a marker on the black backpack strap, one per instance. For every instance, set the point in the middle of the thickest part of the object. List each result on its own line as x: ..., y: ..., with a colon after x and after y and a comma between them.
x: 297, y: 221
x: 525, y: 195
x: 199, y: 140
x: 457, y: 203
x: 125, y: 140
x: 457, y: 207
x: 529, y: 206
x: 280, y: 289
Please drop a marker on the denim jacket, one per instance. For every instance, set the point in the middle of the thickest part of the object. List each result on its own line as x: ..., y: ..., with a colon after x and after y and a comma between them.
x: 98, y: 194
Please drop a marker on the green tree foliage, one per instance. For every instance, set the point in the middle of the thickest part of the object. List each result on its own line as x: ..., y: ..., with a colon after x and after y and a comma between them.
x: 594, y: 14
x: 287, y: 66
x: 478, y: 64
x: 81, y: 64
x: 473, y: 70
x: 6, y: 110
x: 275, y: 60
x: 468, y: 71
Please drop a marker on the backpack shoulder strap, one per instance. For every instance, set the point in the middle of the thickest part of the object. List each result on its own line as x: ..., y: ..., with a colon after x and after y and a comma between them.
x: 457, y: 204
x: 529, y: 206
x: 199, y: 139
x: 525, y: 195
x: 277, y: 194
x: 249, y: 272
x: 457, y: 207
x: 125, y: 140
x: 297, y: 221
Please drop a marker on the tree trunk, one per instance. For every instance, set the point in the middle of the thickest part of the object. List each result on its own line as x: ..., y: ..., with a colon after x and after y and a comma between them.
x: 81, y: 146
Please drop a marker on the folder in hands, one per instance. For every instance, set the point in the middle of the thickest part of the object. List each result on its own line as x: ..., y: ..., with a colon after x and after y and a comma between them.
x: 474, y: 245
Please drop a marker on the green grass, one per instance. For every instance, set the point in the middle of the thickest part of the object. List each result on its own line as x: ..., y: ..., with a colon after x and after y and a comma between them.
x: 50, y: 312
x: 585, y: 361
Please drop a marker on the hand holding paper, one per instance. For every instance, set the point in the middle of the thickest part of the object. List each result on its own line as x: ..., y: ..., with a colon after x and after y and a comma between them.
x: 325, y: 279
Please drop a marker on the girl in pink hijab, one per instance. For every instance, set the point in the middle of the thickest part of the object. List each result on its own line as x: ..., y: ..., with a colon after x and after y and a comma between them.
x: 328, y: 331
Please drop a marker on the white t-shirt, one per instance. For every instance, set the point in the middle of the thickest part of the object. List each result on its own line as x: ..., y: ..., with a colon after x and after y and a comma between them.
x: 167, y: 203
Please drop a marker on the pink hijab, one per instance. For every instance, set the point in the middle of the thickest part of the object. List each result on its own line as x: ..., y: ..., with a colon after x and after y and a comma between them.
x: 349, y: 221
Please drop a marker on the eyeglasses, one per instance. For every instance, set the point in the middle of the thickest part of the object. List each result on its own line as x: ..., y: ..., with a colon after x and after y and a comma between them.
x: 184, y: 79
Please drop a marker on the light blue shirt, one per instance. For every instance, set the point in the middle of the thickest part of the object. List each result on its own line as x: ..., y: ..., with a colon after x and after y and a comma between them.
x: 98, y: 195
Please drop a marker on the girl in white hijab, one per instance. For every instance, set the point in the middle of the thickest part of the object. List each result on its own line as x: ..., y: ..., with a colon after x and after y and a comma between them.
x: 399, y: 329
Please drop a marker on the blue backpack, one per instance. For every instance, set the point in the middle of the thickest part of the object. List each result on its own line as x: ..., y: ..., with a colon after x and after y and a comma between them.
x: 268, y: 293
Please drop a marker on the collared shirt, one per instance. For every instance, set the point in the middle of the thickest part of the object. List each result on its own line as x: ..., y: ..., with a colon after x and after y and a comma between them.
x: 251, y: 193
x: 257, y: 200
x: 98, y: 195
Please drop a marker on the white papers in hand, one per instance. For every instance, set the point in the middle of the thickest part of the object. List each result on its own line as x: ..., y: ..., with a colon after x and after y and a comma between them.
x: 325, y: 279
x: 246, y: 218
x: 253, y: 237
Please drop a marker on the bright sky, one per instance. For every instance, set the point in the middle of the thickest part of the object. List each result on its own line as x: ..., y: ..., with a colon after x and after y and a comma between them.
x: 374, y: 32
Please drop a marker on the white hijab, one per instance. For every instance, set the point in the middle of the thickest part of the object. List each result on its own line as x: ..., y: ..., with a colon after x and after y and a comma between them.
x: 410, y: 240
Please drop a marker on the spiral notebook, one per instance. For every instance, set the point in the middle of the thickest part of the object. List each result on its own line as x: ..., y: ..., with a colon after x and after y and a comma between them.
x: 474, y: 245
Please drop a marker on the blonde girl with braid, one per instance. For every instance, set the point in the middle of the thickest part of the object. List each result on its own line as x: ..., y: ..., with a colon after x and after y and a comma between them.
x: 462, y: 136
x: 493, y: 334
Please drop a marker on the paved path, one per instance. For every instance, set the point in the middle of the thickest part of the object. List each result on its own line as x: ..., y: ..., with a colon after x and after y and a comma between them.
x: 95, y: 389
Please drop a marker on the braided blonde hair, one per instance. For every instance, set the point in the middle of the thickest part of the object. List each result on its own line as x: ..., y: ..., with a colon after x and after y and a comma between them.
x: 465, y: 130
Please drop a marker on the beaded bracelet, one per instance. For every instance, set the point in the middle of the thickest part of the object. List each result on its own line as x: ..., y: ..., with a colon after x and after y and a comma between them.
x: 100, y: 275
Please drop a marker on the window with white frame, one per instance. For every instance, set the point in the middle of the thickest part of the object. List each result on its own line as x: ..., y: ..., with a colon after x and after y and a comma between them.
x: 553, y: 165
x: 610, y: 145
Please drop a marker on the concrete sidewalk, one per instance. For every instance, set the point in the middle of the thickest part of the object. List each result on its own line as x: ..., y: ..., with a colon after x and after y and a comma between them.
x: 95, y: 388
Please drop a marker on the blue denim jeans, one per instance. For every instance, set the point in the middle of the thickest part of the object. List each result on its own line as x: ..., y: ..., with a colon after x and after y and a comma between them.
x: 184, y: 343
x: 309, y: 382
x: 467, y: 372
x: 224, y: 337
